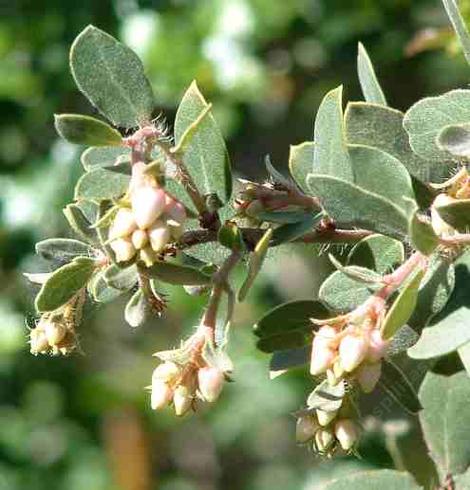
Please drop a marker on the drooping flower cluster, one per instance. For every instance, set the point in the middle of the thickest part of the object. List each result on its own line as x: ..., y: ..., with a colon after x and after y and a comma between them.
x: 149, y: 223
x: 325, y: 433
x: 52, y: 335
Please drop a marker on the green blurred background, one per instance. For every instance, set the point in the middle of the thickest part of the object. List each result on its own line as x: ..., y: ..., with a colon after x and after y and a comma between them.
x: 84, y: 422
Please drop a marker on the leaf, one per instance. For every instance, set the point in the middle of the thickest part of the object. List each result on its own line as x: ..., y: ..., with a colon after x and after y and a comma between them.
x: 230, y: 236
x: 436, y: 288
x: 104, y: 156
x: 422, y: 235
x: 176, y: 274
x: 79, y: 223
x: 341, y: 293
x: 403, y: 306
x: 101, y: 291
x: 358, y: 274
x: 449, y: 328
x: 455, y: 139
x: 121, y: 278
x: 86, y: 130
x: 462, y: 481
x: 255, y: 263
x: 326, y: 397
x: 284, y: 217
x: 288, y: 325
x: 283, y: 360
x: 135, y: 312
x: 37, y: 278
x: 373, y: 480
x: 100, y: 184
x: 445, y: 420
x: 456, y: 214
x: 368, y: 79
x: 382, y: 127
x: 291, y: 231
x: 275, y: 175
x: 300, y: 163
x: 370, y: 210
x: 377, y: 252
x: 428, y: 117
x: 64, y: 283
x: 206, y: 157
x: 464, y: 354
x: 112, y: 77
x: 331, y: 155
x: 459, y: 26
x: 396, y: 384
x: 62, y: 249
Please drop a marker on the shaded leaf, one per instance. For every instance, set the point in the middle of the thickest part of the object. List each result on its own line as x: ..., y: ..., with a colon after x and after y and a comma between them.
x: 104, y: 156
x: 230, y: 236
x: 422, y: 235
x: 64, y: 283
x: 135, y: 312
x: 100, y: 184
x: 283, y: 360
x: 456, y: 214
x: 373, y: 480
x: 112, y: 77
x: 456, y: 140
x: 80, y: 223
x: 369, y: 84
x: 300, y: 163
x: 86, y: 130
x: 445, y: 419
x: 358, y: 274
x: 101, y: 291
x: 173, y: 273
x: 464, y: 354
x: 121, y: 278
x: 291, y: 231
x: 459, y: 26
x: 62, y: 249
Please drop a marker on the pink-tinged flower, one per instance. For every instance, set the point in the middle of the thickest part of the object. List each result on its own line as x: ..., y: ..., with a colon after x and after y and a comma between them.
x: 161, y: 394
x: 123, y: 224
x: 377, y: 346
x: 182, y: 400
x: 352, y: 351
x: 211, y: 382
x: 55, y: 332
x: 368, y: 375
x: 159, y: 235
x: 175, y: 210
x: 139, y: 239
x: 123, y: 249
x: 322, y: 358
x: 148, y: 203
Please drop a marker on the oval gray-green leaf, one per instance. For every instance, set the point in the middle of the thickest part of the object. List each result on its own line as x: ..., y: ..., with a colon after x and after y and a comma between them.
x: 427, y: 118
x: 422, y: 235
x: 136, y: 309
x: 64, y: 283
x: 86, y: 130
x: 101, y: 291
x: 445, y: 418
x: 121, y: 278
x: 300, y: 163
x: 80, y: 223
x: 456, y: 214
x: 402, y: 308
x: 62, y: 249
x: 357, y: 273
x: 206, y: 156
x: 100, y: 184
x: 177, y: 274
x: 373, y: 480
x: 104, y: 156
x: 112, y: 77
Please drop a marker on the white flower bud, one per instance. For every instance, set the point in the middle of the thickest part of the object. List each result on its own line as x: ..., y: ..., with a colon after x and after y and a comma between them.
x: 377, y: 346
x: 346, y: 432
x: 176, y: 229
x: 148, y: 203
x: 139, y: 239
x: 38, y: 341
x: 305, y: 429
x: 148, y: 256
x: 55, y: 332
x: 175, y: 210
x: 352, y: 351
x: 322, y: 358
x: 368, y: 375
x: 123, y: 249
x: 123, y: 224
x: 324, y: 418
x: 166, y: 371
x: 323, y: 440
x: 440, y: 227
x: 211, y: 382
x: 161, y: 394
x: 159, y: 235
x: 182, y: 400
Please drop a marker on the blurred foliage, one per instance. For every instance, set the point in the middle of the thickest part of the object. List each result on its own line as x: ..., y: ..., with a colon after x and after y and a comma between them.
x: 84, y: 422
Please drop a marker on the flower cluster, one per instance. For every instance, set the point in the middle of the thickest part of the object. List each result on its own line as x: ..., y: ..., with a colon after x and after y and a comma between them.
x: 149, y: 223
x: 52, y: 335
x: 325, y: 434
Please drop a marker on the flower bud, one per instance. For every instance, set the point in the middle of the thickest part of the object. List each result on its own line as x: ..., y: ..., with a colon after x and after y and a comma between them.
x: 440, y: 227
x: 321, y: 360
x: 323, y: 440
x: 352, y: 351
x: 123, y: 224
x: 167, y: 371
x: 176, y: 229
x: 175, y: 210
x: 148, y: 256
x: 211, y: 382
x: 123, y: 249
x: 161, y: 394
x: 324, y: 418
x: 148, y: 203
x: 139, y: 239
x: 305, y: 429
x: 182, y: 400
x: 377, y: 346
x: 38, y: 341
x: 55, y: 332
x: 159, y: 235
x: 368, y: 375
x: 346, y: 432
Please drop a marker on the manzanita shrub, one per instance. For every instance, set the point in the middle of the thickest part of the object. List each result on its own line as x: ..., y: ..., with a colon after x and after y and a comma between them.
x: 157, y: 206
